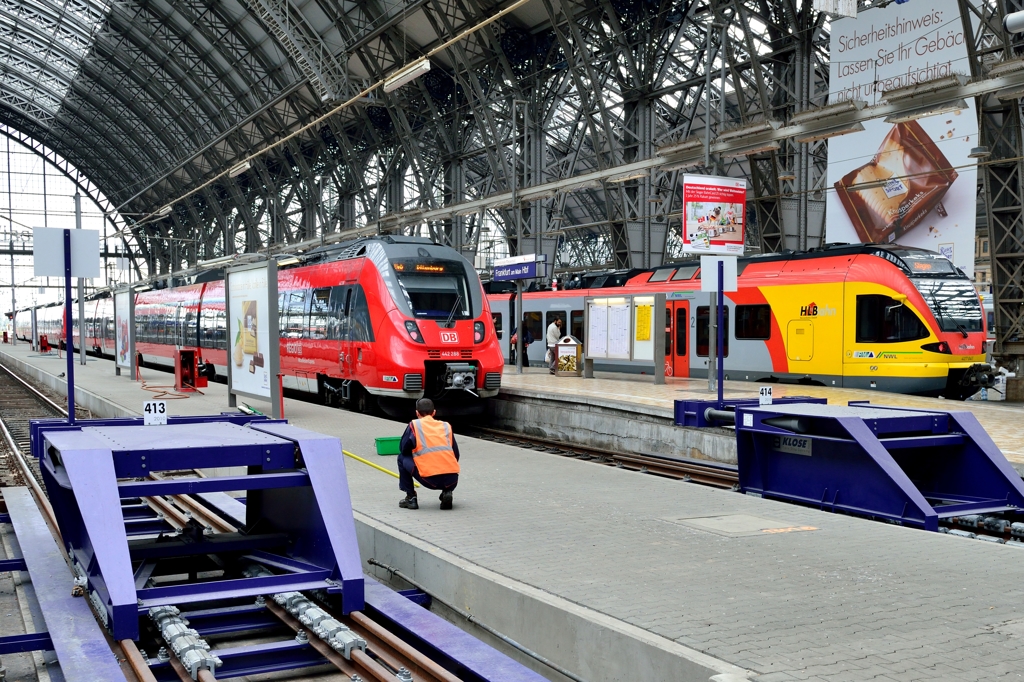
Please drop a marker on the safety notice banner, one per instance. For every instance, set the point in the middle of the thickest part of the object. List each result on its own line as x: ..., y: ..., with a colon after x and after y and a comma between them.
x: 908, y: 180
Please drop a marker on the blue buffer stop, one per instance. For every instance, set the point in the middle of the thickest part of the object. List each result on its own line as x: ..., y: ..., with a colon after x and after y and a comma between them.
x: 908, y: 466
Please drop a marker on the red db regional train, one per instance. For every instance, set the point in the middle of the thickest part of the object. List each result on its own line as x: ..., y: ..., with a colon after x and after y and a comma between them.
x: 378, y: 321
x: 868, y: 316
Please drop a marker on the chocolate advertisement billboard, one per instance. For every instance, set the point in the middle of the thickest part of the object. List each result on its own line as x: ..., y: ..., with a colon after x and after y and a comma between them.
x: 907, y: 180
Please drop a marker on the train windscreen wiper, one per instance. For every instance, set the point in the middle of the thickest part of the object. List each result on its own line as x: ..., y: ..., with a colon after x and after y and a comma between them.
x: 451, y: 315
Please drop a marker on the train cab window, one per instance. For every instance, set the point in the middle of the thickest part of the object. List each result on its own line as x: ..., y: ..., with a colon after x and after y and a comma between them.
x: 295, y: 313
x: 435, y: 289
x: 550, y: 317
x: 685, y: 272
x: 881, y: 319
x: 576, y: 324
x: 754, y: 322
x: 661, y: 275
x: 703, y: 331
x: 319, y: 313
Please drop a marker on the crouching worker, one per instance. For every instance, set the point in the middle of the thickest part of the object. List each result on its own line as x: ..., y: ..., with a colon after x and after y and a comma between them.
x: 430, y: 455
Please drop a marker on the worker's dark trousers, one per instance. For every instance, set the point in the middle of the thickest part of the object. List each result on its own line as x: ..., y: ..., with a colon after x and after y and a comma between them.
x: 407, y: 472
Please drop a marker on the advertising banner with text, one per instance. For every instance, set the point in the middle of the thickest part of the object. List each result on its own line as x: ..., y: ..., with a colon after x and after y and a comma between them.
x: 713, y: 217
x: 250, y: 320
x: 907, y: 182
x: 124, y: 329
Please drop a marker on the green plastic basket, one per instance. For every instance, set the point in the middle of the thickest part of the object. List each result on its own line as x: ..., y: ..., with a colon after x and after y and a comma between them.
x: 389, y: 446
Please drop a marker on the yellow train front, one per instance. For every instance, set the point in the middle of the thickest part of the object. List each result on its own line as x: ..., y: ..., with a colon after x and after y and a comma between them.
x: 890, y: 318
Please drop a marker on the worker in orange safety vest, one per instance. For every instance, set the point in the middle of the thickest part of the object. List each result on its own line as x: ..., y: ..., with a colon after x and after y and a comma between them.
x: 430, y: 455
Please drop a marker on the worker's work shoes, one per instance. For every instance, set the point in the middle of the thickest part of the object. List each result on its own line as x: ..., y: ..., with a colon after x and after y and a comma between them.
x: 446, y: 499
x: 410, y: 502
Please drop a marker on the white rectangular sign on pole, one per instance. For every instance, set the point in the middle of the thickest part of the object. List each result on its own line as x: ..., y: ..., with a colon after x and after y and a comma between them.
x: 253, y: 346
x: 709, y: 273
x: 908, y: 181
x: 48, y: 252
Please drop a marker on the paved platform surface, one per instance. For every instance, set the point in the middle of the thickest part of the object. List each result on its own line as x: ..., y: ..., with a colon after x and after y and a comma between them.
x: 850, y: 600
x: 1003, y: 421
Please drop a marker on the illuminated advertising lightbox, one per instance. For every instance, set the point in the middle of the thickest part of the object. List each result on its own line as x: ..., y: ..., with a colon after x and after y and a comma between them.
x: 713, y: 214
x: 124, y: 329
x: 251, y: 301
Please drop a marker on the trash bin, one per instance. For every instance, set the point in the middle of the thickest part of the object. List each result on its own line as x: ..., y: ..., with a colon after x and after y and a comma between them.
x: 569, y: 362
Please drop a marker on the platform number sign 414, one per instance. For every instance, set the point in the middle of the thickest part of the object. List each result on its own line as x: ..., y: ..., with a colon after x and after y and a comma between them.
x: 764, y: 396
x: 154, y: 412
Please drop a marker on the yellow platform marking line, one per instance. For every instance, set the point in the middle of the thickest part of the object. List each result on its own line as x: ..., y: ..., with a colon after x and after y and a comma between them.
x: 375, y: 466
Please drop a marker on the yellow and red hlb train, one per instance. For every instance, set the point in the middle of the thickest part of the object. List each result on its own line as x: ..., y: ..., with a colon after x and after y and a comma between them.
x: 890, y: 318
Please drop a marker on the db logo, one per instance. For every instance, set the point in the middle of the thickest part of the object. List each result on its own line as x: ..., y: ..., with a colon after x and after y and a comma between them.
x: 449, y: 337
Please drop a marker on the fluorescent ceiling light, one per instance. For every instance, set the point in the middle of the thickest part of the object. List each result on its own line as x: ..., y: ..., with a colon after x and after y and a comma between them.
x: 683, y: 165
x: 752, y: 129
x: 286, y: 261
x: 504, y: 203
x: 749, y: 151
x: 690, y: 144
x: 917, y: 89
x: 924, y: 112
x: 786, y: 176
x: 980, y: 153
x: 468, y: 212
x: 239, y: 169
x: 214, y: 262
x: 626, y: 177
x: 834, y: 131
x: 586, y: 184
x: 812, y: 115
x: 1001, y: 68
x: 537, y: 196
x: 164, y: 211
x: 406, y: 74
x: 1010, y: 94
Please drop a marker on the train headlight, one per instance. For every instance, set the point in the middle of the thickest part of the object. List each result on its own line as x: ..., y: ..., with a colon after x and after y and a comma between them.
x: 414, y: 331
x: 478, y: 332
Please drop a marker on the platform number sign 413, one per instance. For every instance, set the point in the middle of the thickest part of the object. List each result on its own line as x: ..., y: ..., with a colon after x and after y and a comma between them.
x: 764, y: 396
x: 154, y: 412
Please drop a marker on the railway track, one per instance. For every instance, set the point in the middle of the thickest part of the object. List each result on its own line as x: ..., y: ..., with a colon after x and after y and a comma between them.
x: 386, y: 658
x: 689, y: 470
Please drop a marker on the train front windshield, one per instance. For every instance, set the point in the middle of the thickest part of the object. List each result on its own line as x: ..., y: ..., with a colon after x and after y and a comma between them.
x: 435, y: 289
x: 954, y: 303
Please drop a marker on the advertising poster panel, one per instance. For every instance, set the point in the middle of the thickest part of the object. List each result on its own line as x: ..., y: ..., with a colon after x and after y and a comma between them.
x: 252, y: 331
x: 713, y: 214
x: 907, y: 182
x: 124, y: 330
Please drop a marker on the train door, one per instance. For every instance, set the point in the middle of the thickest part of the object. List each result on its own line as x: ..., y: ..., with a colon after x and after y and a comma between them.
x: 345, y: 359
x: 677, y: 350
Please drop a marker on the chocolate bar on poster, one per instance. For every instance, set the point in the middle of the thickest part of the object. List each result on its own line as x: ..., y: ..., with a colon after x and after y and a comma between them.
x: 257, y: 359
x: 888, y: 196
x: 252, y: 366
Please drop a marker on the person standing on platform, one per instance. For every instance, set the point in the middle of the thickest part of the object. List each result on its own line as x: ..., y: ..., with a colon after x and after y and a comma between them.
x: 553, y: 336
x: 527, y: 340
x: 429, y: 454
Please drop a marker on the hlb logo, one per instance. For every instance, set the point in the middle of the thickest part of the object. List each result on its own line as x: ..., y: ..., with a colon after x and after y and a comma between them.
x: 812, y: 310
x: 449, y: 337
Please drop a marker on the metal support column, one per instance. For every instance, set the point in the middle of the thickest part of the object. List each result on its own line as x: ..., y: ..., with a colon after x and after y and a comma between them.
x: 81, y: 288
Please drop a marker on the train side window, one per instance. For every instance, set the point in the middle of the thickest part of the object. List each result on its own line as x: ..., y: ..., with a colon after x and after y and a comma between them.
x: 497, y: 318
x: 682, y: 323
x: 296, y: 314
x: 576, y: 324
x: 881, y: 319
x: 319, y: 313
x: 703, y: 330
x: 754, y: 322
x: 532, y: 322
x: 361, y: 328
x: 550, y: 317
x: 668, y: 332
x: 661, y: 275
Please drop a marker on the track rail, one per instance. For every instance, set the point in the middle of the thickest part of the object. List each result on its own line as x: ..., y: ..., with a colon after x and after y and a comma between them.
x: 690, y: 470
